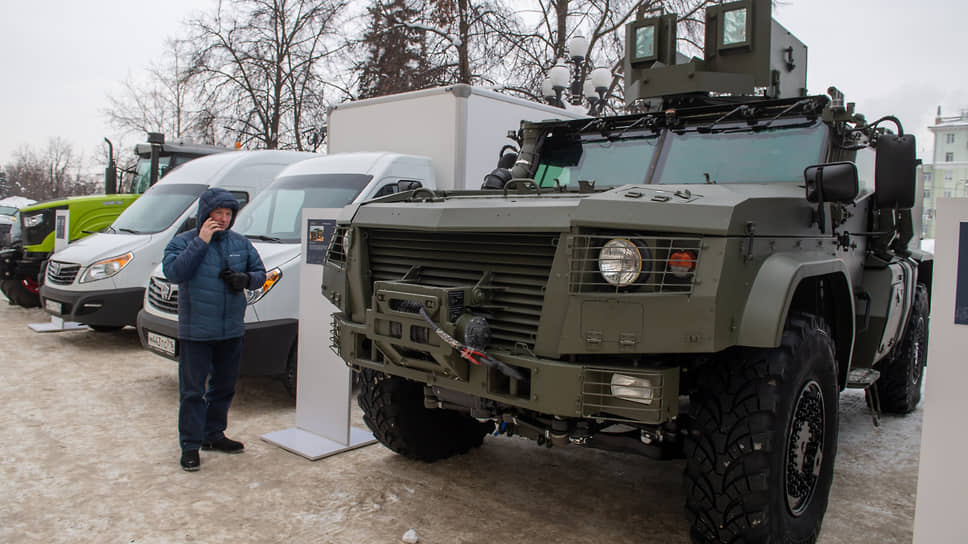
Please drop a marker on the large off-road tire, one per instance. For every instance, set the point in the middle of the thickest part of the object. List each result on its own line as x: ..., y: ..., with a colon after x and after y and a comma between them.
x: 760, y: 454
x: 902, y: 372
x: 18, y: 294
x: 393, y: 408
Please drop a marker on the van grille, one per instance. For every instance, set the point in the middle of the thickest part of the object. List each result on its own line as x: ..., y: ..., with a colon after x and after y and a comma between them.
x: 62, y: 273
x: 163, y: 295
x: 514, y: 267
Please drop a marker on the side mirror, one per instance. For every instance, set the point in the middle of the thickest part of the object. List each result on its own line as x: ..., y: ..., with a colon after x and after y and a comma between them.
x: 408, y: 185
x: 895, y: 168
x: 832, y: 182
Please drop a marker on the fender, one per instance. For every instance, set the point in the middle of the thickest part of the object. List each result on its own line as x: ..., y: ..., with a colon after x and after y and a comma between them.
x: 772, y: 293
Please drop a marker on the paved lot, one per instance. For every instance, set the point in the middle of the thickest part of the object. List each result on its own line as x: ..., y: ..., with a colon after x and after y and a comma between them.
x: 88, y: 453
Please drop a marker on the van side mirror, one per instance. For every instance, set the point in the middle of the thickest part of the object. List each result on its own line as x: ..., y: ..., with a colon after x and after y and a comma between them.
x: 895, y: 168
x: 831, y: 182
x: 408, y: 185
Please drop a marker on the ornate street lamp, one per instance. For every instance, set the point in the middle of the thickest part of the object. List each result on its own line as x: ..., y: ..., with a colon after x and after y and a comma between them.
x: 562, y: 77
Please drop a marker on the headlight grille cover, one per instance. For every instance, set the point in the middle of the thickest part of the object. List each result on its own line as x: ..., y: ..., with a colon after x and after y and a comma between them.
x: 669, y: 263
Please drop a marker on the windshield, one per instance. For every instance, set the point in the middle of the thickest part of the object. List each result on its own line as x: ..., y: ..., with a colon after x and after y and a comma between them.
x: 8, y: 210
x: 779, y: 155
x: 276, y: 213
x: 158, y: 208
x: 607, y: 163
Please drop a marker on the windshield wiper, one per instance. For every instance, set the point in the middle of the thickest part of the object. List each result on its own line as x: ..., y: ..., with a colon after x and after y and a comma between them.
x: 263, y: 237
x: 125, y: 229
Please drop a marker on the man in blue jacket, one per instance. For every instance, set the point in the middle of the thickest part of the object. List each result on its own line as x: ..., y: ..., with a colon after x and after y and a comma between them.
x: 211, y: 265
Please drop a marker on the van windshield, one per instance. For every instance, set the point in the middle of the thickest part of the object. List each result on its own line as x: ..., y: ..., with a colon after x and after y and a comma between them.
x: 276, y: 214
x: 158, y: 208
x: 7, y: 210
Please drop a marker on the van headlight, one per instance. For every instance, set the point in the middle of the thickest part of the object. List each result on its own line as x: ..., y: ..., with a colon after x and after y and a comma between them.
x: 106, y: 268
x: 272, y: 277
x: 631, y: 388
x: 33, y: 220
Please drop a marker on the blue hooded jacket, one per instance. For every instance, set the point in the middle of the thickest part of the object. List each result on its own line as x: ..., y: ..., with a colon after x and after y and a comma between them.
x: 207, y: 308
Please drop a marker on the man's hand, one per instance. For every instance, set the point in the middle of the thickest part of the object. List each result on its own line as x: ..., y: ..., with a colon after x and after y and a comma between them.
x: 236, y: 281
x: 209, y: 227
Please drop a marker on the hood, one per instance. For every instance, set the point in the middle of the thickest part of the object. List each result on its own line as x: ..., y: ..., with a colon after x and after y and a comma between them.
x: 213, y: 198
x: 101, y: 245
x: 723, y: 210
x: 274, y: 255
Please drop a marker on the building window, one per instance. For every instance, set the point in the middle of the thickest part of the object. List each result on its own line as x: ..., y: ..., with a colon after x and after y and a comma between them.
x: 949, y: 138
x: 949, y: 157
x: 947, y: 176
x: 927, y: 193
x: 947, y: 193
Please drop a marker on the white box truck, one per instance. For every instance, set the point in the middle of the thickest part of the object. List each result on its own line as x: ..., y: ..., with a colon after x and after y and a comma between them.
x: 100, y: 280
x: 416, y: 139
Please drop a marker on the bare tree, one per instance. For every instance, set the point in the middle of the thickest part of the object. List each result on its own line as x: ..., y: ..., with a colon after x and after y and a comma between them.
x: 158, y: 102
x: 256, y: 65
x: 54, y: 172
x: 537, y: 48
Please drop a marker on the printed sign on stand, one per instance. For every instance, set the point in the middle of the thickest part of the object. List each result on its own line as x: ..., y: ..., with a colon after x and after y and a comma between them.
x: 323, y: 383
x: 62, y: 229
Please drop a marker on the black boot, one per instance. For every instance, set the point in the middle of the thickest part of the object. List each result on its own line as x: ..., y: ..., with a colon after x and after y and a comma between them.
x: 190, y: 461
x: 224, y: 444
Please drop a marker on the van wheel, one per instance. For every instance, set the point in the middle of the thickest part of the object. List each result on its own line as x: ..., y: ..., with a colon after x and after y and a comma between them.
x: 902, y: 372
x: 292, y: 371
x: 760, y: 454
x: 17, y: 293
x: 393, y: 408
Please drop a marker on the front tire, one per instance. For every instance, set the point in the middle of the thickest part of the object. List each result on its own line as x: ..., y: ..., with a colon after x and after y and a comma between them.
x: 902, y: 372
x: 393, y: 408
x: 761, y: 452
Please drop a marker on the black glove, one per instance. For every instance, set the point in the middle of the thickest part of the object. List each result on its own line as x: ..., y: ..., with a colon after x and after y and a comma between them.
x: 237, y: 281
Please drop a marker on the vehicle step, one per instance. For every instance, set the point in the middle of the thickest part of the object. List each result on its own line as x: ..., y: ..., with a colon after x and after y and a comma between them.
x: 862, y: 378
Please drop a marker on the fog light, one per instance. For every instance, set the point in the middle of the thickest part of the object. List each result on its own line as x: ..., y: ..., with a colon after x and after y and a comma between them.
x: 632, y: 389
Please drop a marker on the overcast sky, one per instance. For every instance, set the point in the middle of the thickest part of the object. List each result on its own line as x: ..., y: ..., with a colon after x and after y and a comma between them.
x: 60, y: 58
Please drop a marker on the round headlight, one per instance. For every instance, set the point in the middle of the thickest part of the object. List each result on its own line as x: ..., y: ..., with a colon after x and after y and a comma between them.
x: 620, y: 262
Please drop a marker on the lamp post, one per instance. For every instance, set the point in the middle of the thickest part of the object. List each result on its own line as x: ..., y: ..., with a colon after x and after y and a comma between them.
x: 562, y: 77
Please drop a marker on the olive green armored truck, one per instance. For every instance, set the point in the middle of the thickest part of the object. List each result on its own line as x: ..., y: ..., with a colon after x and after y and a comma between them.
x: 701, y: 279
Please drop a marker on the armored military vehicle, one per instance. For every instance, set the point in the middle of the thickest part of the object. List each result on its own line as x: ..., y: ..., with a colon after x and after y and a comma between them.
x: 700, y: 279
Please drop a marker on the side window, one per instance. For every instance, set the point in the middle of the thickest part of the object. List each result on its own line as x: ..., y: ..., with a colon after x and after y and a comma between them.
x: 189, y: 224
x: 387, y: 189
x: 242, y: 197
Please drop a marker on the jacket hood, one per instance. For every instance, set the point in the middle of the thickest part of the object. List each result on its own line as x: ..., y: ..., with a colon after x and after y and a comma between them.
x: 216, y: 197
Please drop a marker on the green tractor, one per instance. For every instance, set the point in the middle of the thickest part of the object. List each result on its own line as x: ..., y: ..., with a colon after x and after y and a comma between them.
x: 701, y: 279
x: 23, y: 259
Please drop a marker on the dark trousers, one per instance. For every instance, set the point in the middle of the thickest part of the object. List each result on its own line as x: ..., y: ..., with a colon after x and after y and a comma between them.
x: 203, y: 411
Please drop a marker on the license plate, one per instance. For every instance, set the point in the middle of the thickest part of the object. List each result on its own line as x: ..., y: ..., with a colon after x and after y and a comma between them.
x: 52, y: 306
x: 161, y: 343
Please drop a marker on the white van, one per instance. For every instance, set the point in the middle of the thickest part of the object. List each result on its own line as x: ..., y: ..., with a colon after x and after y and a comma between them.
x: 100, y: 280
x: 273, y: 222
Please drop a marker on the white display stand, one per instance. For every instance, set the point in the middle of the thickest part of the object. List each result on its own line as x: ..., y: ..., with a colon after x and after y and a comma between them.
x: 943, y: 472
x: 323, y: 386
x: 62, y: 229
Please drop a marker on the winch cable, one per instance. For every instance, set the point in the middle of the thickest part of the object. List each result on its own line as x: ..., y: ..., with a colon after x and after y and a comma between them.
x: 475, y: 356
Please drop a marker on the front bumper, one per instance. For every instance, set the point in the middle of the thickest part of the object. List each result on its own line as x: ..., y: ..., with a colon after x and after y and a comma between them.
x: 265, y: 345
x: 108, y: 308
x: 551, y: 386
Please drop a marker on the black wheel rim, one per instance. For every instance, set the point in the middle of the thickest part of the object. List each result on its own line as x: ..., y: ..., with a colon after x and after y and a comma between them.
x: 804, y: 455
